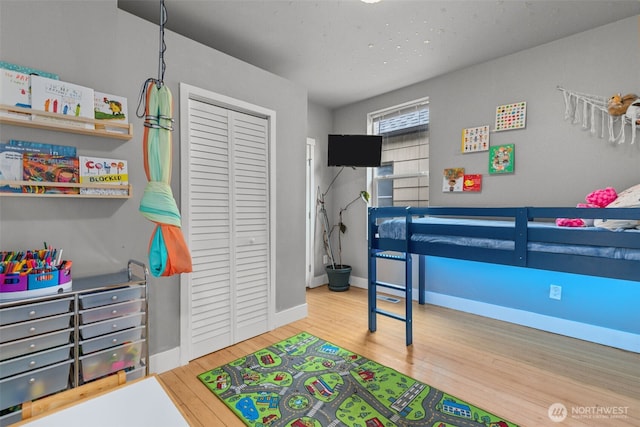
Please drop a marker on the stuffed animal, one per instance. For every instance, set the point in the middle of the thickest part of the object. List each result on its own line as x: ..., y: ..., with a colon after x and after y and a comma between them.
x: 601, y: 197
x: 618, y: 104
x: 633, y: 112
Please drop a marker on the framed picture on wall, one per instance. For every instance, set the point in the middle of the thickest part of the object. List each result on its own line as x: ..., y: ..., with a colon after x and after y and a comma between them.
x: 475, y: 139
x: 511, y: 116
x: 502, y: 158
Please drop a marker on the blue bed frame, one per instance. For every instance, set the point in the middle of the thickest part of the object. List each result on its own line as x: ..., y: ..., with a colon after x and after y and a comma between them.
x: 520, y: 234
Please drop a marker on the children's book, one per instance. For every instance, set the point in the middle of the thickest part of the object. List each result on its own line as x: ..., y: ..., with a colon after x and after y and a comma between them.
x: 15, y: 87
x: 110, y: 108
x: 27, y: 70
x: 452, y: 179
x: 97, y: 170
x: 10, y: 168
x: 40, y: 167
x: 40, y: 147
x: 65, y: 99
x: 472, y: 182
x: 14, y: 92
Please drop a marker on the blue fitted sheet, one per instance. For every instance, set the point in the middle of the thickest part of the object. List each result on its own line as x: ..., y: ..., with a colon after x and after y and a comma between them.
x: 396, y: 229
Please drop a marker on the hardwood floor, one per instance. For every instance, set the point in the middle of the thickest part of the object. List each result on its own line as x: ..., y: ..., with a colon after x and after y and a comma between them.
x: 512, y: 371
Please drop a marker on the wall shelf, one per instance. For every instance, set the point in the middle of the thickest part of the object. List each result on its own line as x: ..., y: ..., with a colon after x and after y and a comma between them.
x: 67, y: 185
x: 70, y: 124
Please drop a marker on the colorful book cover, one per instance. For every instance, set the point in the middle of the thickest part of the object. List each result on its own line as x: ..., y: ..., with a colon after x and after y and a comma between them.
x: 96, y: 170
x: 15, y: 87
x: 472, y: 183
x: 14, y: 92
x: 110, y: 108
x: 502, y: 158
x: 452, y: 179
x: 40, y: 147
x: 40, y: 167
x: 10, y: 168
x: 66, y: 99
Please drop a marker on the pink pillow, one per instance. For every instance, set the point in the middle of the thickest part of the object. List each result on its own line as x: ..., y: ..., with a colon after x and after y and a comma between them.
x: 602, y: 197
x: 569, y: 222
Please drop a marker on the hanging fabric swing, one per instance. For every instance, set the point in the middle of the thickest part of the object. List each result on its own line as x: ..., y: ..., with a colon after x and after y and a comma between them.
x: 168, y: 251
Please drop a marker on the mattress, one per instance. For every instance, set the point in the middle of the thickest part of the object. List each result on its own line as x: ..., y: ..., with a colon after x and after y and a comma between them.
x: 396, y: 229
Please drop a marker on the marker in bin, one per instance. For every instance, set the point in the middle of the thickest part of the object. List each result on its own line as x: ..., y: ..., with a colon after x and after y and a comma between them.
x: 66, y: 265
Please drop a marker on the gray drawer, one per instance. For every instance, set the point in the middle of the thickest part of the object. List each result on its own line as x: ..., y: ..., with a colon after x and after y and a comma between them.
x: 112, y: 325
x: 26, y: 363
x: 35, y: 344
x: 110, y: 311
x: 111, y: 340
x: 97, y: 299
x: 96, y: 365
x: 34, y: 384
x: 10, y: 418
x: 34, y: 311
x: 32, y: 328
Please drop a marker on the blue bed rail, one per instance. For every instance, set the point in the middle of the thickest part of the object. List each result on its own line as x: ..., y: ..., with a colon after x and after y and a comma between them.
x: 528, y: 237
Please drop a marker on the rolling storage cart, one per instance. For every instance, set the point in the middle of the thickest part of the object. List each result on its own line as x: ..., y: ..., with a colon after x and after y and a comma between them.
x: 52, y: 343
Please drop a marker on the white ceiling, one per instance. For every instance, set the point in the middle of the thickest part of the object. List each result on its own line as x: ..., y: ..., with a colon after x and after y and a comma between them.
x: 346, y: 51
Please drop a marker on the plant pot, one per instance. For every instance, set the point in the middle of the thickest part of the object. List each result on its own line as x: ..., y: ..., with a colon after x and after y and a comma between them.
x: 338, y: 277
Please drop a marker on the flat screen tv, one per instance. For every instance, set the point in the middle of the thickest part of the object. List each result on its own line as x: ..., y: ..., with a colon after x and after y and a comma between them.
x: 355, y: 150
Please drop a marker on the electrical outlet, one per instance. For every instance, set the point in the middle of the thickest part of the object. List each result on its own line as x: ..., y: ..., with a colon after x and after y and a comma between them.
x: 325, y: 259
x: 555, y: 292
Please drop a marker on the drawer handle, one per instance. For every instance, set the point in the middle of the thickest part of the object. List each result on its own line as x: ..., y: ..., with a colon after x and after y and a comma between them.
x: 115, y: 340
x: 32, y: 346
x: 32, y: 329
x: 114, y: 311
x: 32, y: 380
x: 32, y: 363
x: 115, y: 355
x: 32, y: 313
x: 115, y: 297
x: 114, y: 326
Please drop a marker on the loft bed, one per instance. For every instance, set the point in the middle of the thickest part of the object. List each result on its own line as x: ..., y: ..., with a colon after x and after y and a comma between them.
x: 525, y: 237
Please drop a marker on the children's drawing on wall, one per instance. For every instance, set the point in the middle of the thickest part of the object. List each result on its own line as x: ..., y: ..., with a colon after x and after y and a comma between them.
x: 502, y: 158
x: 475, y: 139
x: 452, y: 180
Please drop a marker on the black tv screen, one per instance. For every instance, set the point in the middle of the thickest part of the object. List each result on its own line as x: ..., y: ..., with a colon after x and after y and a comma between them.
x: 355, y: 150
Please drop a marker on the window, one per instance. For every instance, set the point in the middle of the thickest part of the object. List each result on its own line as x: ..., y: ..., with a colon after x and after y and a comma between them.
x: 403, y: 178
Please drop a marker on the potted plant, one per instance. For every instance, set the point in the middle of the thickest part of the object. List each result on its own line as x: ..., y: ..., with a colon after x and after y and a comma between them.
x: 337, y: 272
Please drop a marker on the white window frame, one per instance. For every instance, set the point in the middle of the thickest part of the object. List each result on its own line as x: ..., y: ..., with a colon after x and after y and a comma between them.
x: 371, y: 117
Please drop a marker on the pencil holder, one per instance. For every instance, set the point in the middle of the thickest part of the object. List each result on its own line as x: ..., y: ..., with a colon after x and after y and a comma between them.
x: 13, y: 282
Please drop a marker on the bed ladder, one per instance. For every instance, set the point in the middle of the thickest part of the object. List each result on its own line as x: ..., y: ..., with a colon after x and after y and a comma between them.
x: 406, y: 289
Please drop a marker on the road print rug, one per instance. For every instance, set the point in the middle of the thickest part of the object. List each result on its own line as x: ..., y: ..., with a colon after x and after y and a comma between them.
x: 305, y: 381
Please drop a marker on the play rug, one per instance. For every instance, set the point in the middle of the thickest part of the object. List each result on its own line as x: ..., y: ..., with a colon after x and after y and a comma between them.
x: 305, y: 381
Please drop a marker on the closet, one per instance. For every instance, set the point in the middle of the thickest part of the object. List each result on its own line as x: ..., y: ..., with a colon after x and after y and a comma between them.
x: 227, y: 220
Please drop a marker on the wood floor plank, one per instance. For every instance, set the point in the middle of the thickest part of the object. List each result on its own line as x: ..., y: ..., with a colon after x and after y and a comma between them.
x: 513, y: 371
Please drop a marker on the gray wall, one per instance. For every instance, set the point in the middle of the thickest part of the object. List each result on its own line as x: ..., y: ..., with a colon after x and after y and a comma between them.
x: 557, y: 163
x: 97, y: 45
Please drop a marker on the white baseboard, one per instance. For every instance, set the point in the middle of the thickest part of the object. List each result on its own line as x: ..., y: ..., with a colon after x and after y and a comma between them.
x: 170, y: 359
x: 597, y: 334
x: 165, y: 361
x: 570, y: 328
x: 290, y: 315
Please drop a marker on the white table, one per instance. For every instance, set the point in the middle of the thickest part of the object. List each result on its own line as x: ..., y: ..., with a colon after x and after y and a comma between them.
x: 143, y: 403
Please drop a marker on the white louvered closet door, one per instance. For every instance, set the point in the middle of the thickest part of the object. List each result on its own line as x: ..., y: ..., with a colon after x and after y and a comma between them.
x: 228, y: 226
